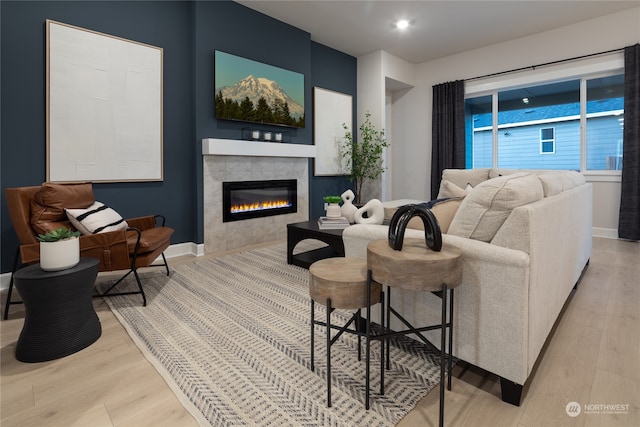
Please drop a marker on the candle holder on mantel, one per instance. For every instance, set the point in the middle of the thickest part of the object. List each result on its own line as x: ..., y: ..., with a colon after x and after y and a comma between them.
x: 251, y: 134
x: 280, y: 136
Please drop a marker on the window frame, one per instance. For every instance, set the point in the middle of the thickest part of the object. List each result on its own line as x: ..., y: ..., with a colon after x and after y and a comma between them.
x: 583, y: 70
x: 552, y: 140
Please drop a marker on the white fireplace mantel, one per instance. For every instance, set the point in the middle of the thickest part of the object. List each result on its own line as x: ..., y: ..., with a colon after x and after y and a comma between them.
x: 233, y: 147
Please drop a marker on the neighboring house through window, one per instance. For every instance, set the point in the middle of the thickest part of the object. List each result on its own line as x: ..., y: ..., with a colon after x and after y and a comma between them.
x: 538, y: 125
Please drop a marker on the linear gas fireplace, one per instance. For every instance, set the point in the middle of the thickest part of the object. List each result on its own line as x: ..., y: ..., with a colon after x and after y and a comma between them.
x: 255, y: 199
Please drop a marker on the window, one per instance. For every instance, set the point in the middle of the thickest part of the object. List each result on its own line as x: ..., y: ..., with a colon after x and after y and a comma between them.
x: 480, y: 152
x: 540, y: 126
x: 547, y: 141
x: 605, y: 121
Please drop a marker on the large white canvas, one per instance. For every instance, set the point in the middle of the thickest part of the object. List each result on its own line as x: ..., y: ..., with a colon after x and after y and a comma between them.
x: 330, y: 111
x: 104, y: 107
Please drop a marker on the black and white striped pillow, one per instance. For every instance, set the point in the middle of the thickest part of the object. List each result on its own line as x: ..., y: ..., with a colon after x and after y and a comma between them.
x: 97, y: 218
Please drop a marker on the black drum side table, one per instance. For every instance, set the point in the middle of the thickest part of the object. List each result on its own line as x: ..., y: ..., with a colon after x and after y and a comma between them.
x: 59, y: 316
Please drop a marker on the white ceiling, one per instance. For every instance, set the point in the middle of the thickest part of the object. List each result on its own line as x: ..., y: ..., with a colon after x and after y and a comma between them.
x: 438, y: 28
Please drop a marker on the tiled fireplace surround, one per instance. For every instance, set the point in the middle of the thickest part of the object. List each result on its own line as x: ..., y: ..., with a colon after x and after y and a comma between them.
x: 231, y: 160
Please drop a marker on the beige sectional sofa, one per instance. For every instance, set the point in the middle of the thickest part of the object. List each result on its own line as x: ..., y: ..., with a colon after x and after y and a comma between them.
x: 525, y: 238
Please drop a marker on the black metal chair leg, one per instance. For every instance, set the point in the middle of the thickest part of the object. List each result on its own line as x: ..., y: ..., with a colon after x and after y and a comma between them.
x: 166, y: 264
x: 13, y: 270
x: 8, y: 303
x: 144, y: 297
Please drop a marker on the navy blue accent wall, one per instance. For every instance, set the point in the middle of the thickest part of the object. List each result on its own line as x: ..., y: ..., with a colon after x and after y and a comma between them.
x: 189, y: 32
x: 241, y: 31
x: 336, y: 71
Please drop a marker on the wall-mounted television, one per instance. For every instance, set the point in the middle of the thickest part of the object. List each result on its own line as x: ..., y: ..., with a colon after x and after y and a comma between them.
x: 251, y: 91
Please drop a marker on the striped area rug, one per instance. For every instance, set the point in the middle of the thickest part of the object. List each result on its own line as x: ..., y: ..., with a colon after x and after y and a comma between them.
x: 231, y: 337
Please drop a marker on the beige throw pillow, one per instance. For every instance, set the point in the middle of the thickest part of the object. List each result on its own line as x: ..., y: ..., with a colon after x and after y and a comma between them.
x: 443, y: 211
x: 450, y: 190
x: 486, y: 208
x: 392, y: 206
x: 462, y: 177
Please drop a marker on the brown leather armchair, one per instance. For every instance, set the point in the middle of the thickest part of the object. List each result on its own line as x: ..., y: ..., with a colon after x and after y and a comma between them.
x: 38, y: 209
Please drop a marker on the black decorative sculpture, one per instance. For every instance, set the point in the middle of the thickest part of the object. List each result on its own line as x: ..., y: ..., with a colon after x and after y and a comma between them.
x: 401, y: 218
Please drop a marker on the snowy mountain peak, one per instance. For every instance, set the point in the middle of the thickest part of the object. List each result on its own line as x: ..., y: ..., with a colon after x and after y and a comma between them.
x: 260, y: 87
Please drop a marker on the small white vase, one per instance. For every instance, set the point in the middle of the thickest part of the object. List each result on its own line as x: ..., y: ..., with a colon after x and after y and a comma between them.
x: 60, y: 255
x: 333, y: 210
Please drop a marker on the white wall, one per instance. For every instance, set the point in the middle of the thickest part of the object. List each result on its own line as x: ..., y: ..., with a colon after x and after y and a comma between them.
x: 411, y: 104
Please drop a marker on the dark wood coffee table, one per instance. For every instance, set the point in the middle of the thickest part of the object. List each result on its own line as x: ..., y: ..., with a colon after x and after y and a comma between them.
x: 300, y: 231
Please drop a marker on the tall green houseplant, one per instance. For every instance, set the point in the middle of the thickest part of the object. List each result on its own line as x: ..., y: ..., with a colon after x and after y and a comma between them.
x: 365, y: 155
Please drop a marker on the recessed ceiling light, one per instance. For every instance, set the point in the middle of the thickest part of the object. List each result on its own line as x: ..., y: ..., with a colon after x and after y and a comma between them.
x: 402, y: 24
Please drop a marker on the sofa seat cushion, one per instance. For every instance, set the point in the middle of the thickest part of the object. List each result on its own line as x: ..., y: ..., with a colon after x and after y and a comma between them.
x: 49, y: 202
x: 486, y: 208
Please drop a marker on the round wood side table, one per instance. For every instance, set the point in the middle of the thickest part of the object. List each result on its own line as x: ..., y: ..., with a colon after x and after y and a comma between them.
x: 341, y: 283
x: 415, y: 268
x: 59, y: 316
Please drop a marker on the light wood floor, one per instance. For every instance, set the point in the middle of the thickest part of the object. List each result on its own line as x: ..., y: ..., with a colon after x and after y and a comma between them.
x: 593, y: 358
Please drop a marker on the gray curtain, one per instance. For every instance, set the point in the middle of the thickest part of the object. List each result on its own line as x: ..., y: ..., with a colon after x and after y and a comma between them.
x: 629, y: 220
x: 447, y: 131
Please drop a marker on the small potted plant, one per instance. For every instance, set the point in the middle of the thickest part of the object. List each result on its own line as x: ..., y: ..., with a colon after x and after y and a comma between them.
x: 59, y: 249
x: 333, y: 206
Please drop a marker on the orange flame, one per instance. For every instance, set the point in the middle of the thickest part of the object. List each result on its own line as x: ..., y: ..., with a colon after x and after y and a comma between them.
x: 258, y: 206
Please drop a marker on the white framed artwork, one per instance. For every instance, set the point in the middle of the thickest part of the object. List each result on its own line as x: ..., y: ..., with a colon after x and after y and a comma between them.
x: 330, y: 111
x: 104, y: 107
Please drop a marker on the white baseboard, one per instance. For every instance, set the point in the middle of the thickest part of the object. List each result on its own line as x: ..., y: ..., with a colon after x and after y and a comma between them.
x: 607, y: 233
x: 173, y: 251
x: 181, y: 249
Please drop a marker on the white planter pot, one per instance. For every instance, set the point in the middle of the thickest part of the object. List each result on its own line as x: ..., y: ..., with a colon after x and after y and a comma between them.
x: 59, y: 255
x: 333, y: 210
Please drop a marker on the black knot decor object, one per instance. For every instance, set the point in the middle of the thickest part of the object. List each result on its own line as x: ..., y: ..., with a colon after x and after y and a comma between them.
x: 401, y: 218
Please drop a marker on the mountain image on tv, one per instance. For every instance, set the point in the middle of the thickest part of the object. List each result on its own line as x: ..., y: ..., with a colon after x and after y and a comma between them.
x: 250, y: 91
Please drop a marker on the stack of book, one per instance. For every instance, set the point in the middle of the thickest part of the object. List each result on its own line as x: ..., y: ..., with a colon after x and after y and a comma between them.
x: 327, y: 223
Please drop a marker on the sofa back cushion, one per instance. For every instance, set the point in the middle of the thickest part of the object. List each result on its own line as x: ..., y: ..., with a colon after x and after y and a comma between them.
x: 48, y: 204
x: 555, y: 182
x: 489, y: 204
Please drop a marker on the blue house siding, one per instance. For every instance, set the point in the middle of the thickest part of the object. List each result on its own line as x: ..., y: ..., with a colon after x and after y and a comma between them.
x: 519, y: 145
x: 482, y: 149
x: 604, y: 143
